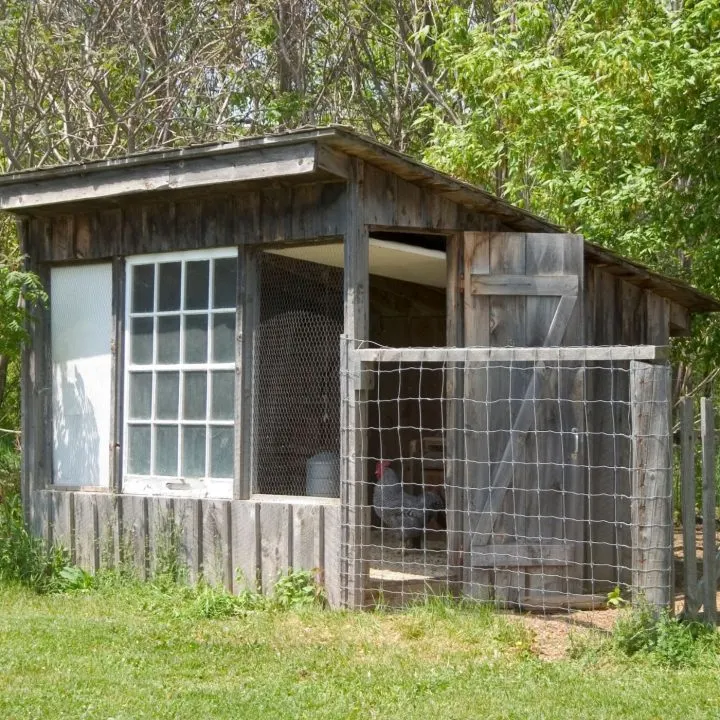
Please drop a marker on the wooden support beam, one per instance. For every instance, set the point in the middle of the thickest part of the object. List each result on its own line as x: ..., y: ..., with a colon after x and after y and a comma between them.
x: 455, y: 492
x: 687, y: 499
x: 246, y: 321
x: 651, y: 503
x: 707, y: 431
x: 353, y: 482
x: 620, y: 353
x: 485, y: 284
x: 117, y: 373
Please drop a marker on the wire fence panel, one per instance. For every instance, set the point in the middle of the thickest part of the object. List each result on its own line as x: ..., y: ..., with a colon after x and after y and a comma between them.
x: 296, y: 404
x: 539, y: 485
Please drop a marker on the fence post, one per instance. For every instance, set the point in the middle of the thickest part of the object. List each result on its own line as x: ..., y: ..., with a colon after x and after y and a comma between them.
x: 353, y: 488
x: 707, y: 431
x: 651, y: 504
x: 687, y: 500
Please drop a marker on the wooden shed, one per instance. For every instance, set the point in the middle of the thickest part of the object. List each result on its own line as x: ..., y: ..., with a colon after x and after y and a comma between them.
x: 237, y: 333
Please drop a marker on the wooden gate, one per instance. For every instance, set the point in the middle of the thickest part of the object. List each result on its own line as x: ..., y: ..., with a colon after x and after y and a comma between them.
x: 523, y: 424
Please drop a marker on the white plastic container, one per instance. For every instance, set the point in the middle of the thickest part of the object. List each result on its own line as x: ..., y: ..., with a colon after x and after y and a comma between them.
x: 322, y: 476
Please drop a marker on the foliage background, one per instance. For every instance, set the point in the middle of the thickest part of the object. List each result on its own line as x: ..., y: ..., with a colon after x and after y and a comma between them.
x: 601, y: 115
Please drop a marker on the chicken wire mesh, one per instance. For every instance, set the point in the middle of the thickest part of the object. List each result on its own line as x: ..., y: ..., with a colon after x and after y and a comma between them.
x: 534, y: 485
x: 296, y: 404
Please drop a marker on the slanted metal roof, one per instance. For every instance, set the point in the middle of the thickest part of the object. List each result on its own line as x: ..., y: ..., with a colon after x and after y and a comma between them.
x: 296, y: 153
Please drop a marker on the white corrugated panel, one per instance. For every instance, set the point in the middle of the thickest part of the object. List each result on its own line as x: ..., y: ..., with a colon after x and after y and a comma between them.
x: 81, y: 321
x: 386, y: 259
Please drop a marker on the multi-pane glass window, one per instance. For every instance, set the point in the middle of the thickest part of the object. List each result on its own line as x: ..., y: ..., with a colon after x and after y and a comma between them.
x: 180, y: 379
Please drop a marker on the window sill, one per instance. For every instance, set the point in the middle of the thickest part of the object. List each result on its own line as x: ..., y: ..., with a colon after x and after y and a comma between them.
x: 293, y: 499
x: 158, y: 487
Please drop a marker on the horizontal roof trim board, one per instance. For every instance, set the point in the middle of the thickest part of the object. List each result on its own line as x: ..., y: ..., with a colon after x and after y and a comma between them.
x: 307, y: 153
x: 170, y: 174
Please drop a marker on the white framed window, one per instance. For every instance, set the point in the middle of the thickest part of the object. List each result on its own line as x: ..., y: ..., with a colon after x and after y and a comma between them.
x: 180, y: 373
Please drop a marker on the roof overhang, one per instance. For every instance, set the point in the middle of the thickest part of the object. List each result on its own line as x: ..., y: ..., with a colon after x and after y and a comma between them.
x: 191, y: 168
x: 304, y: 155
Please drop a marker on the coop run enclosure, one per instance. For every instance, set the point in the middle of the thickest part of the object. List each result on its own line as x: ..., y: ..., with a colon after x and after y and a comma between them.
x: 553, y: 467
x: 308, y: 351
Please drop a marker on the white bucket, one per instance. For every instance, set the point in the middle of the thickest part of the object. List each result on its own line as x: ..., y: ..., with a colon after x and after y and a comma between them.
x: 323, y: 475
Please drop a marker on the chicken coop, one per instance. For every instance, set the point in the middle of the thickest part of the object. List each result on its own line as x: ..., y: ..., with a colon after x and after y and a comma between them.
x: 309, y: 351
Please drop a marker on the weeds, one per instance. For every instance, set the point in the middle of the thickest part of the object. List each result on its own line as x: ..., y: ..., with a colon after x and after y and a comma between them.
x: 662, y: 637
x: 298, y: 589
x: 25, y: 559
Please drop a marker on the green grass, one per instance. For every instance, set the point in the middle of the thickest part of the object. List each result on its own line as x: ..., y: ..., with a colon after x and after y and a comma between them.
x: 132, y: 651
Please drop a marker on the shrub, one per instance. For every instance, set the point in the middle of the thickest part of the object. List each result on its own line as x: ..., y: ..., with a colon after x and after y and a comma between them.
x: 662, y: 637
x: 297, y: 589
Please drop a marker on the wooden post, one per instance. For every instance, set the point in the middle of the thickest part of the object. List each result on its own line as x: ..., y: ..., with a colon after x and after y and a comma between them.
x: 455, y: 498
x: 651, y: 504
x: 246, y: 321
x: 687, y: 499
x: 353, y: 481
x: 707, y: 431
x: 117, y: 373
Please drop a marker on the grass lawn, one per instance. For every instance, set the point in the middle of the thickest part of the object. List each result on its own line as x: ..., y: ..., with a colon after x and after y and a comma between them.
x: 131, y: 652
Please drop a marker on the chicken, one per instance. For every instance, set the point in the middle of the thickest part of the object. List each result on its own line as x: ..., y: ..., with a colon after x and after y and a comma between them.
x: 399, y: 511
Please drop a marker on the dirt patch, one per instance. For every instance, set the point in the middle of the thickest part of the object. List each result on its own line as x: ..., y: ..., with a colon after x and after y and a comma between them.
x: 552, y: 633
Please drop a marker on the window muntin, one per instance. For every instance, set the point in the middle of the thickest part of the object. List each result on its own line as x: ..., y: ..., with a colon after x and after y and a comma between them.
x: 180, y: 373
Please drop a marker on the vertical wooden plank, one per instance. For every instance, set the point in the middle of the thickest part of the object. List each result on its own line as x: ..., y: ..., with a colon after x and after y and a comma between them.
x: 187, y: 513
x: 87, y: 550
x: 353, y: 482
x: 306, y: 548
x: 63, y: 233
x: 572, y: 381
x: 246, y: 540
x: 687, y: 500
x: 246, y: 217
x: 540, y: 488
x: 246, y: 318
x: 508, y: 317
x: 651, y: 505
x: 133, y: 512
x: 217, y: 543
x: 331, y: 554
x: 108, y: 530
x: 274, y: 540
x: 62, y: 518
x: 657, y: 310
x: 43, y: 473
x: 188, y: 222
x: 27, y: 383
x: 132, y: 230
x: 117, y: 373
x: 40, y: 515
x: 707, y: 431
x: 107, y: 231
x: 473, y: 418
x: 455, y: 495
x: 162, y: 535
x: 602, y: 551
x: 36, y: 383
x: 83, y: 235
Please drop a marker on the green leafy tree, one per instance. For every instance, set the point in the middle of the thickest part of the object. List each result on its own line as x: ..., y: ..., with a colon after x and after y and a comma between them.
x: 603, y: 117
x: 21, y: 293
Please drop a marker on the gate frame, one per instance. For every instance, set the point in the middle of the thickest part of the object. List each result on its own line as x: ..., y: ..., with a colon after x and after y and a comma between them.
x: 651, y: 505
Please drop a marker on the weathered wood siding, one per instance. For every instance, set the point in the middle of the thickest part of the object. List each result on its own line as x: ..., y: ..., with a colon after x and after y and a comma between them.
x: 236, y: 543
x: 305, y: 213
x: 616, y: 313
